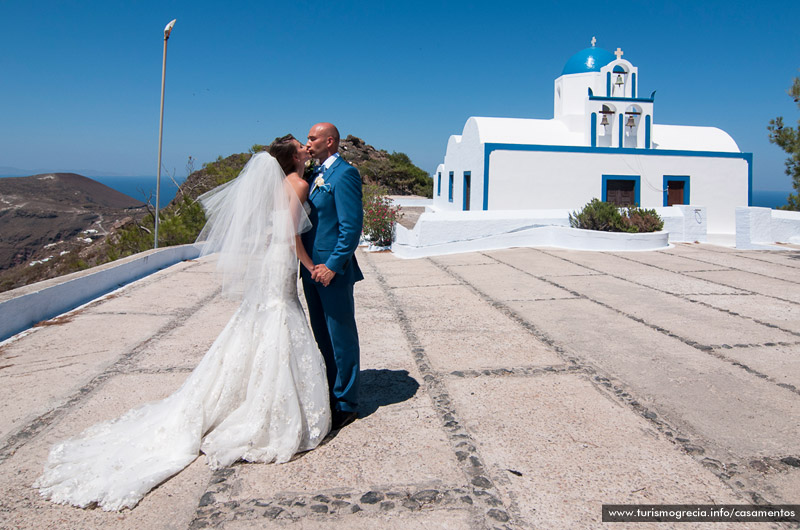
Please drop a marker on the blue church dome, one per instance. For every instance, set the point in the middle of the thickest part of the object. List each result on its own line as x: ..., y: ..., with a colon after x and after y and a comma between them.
x: 588, y: 60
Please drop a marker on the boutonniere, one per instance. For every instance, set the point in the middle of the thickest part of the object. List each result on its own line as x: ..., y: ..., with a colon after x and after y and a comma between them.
x: 320, y: 184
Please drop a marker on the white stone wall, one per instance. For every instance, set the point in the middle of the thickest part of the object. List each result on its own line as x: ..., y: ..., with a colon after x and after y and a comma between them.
x: 544, y: 180
x: 762, y: 227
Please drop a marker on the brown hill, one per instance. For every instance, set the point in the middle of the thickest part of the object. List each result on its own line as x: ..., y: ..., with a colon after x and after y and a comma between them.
x: 50, y: 214
x: 376, y: 166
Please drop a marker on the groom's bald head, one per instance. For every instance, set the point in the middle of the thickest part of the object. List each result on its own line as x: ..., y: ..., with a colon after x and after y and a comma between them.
x: 323, y: 140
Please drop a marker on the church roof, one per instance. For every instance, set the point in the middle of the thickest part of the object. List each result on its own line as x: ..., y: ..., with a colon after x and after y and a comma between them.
x: 523, y: 131
x: 691, y: 138
x: 590, y: 59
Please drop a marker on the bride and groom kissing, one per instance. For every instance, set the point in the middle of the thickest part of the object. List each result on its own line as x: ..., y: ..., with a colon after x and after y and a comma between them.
x: 266, y: 389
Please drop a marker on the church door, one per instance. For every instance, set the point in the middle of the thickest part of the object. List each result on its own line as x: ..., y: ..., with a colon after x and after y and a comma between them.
x: 675, y: 192
x: 621, y: 192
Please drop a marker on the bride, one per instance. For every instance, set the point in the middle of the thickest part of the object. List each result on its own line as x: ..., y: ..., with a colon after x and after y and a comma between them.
x: 260, y: 392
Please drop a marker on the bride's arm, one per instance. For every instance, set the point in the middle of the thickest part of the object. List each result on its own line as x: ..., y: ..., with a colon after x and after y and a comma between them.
x: 300, y: 188
x: 305, y: 259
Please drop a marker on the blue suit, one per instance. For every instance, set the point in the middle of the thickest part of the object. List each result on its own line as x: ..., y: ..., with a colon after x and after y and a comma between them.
x: 337, y: 217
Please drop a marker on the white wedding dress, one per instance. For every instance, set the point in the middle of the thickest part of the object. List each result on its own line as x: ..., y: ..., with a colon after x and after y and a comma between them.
x: 260, y: 393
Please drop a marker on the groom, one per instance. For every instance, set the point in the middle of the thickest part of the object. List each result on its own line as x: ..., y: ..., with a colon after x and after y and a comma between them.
x: 337, y: 216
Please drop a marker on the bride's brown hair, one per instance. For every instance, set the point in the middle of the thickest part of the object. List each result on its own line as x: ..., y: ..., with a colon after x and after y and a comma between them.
x: 284, y: 149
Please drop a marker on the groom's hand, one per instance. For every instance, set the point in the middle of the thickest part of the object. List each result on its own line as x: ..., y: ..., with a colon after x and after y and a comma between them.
x: 322, y: 274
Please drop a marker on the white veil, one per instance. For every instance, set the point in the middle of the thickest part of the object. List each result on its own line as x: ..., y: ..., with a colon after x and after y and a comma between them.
x: 252, y: 222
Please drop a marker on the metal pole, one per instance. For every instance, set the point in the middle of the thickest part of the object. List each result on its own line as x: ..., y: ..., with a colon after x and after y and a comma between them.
x: 167, y: 31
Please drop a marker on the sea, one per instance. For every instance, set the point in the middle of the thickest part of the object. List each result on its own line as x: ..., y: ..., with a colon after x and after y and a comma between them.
x: 770, y: 198
x: 140, y: 188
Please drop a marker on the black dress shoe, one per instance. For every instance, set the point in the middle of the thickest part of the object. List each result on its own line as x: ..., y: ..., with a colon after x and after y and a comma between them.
x: 341, y: 418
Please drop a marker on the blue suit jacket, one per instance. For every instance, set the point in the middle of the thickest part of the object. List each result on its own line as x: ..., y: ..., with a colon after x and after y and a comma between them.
x: 337, y: 218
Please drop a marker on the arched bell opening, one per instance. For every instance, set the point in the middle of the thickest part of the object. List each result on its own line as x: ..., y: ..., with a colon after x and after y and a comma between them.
x: 632, y: 118
x: 619, y: 81
x: 605, y: 127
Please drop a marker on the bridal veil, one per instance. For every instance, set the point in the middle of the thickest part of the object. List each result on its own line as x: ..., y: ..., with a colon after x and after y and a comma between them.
x: 259, y: 394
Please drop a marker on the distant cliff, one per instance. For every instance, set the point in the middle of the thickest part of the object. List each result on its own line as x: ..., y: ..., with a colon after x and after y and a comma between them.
x: 53, y: 218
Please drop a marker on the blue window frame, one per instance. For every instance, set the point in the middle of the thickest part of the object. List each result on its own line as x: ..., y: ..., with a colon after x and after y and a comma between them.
x: 636, y: 186
x: 467, y: 190
x: 450, y: 192
x: 439, y: 185
x: 677, y: 178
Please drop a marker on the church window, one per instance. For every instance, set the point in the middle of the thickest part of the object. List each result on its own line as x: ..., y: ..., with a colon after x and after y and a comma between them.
x: 467, y: 189
x: 450, y: 190
x: 439, y: 185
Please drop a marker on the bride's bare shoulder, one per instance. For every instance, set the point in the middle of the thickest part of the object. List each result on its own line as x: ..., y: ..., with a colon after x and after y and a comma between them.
x: 299, y: 186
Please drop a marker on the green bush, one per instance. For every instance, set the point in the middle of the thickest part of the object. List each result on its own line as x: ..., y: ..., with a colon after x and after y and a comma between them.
x: 379, y: 215
x: 598, y: 215
x: 179, y: 224
x: 398, y: 174
x: 608, y: 217
x: 641, y: 220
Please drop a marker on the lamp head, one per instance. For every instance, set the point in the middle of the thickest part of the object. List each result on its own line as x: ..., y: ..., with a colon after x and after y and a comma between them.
x: 168, y: 29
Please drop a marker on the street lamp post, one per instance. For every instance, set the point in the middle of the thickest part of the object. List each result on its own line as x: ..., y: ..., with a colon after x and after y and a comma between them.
x: 167, y: 31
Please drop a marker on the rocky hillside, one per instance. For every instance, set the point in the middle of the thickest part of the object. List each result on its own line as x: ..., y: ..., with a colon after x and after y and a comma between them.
x: 51, y: 217
x: 376, y: 167
x: 53, y: 224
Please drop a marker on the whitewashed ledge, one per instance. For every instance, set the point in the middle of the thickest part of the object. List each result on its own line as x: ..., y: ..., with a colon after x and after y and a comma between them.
x: 21, y: 308
x: 534, y: 236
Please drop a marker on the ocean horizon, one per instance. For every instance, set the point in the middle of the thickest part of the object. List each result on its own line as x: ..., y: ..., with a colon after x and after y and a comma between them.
x: 140, y: 188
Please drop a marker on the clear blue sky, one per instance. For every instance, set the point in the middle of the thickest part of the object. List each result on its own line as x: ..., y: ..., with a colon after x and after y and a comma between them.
x: 80, y: 80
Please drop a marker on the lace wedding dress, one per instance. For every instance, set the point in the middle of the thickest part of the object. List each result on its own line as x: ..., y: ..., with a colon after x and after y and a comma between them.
x: 260, y: 393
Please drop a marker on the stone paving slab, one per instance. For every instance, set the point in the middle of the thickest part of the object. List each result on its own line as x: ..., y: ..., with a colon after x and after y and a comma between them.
x: 746, y: 282
x: 538, y: 262
x: 504, y: 346
x: 516, y: 284
x: 562, y: 451
x: 687, y: 386
x: 59, y: 358
x: 185, y: 290
x: 672, y: 261
x: 783, y: 314
x: 171, y: 505
x: 676, y: 315
x: 757, y: 262
x: 440, y: 520
x: 184, y: 346
x: 781, y: 362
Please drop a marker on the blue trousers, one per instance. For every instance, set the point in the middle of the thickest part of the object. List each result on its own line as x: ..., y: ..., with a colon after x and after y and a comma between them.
x: 331, y: 311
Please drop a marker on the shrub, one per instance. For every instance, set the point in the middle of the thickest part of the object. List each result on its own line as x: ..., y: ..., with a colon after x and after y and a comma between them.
x: 641, y: 220
x: 598, y: 215
x: 608, y: 217
x: 379, y: 215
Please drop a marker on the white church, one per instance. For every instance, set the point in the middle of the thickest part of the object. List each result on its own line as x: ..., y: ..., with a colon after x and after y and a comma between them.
x: 602, y: 142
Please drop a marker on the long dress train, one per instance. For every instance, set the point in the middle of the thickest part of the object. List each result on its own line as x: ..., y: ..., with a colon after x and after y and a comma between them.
x: 259, y: 394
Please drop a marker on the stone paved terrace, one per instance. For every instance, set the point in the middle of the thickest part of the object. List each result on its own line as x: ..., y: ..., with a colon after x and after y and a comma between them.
x: 520, y: 388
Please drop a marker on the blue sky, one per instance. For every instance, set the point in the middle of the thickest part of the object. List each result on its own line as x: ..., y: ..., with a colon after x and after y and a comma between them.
x: 80, y: 80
